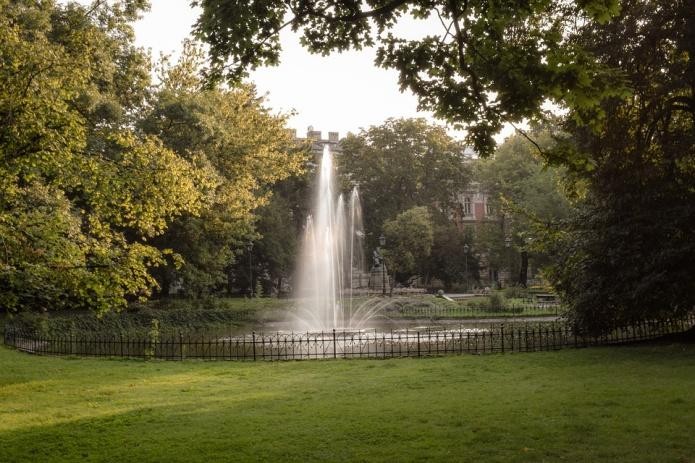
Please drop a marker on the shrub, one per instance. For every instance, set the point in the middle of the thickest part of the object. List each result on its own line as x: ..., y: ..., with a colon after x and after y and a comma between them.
x: 515, y: 292
x: 153, y: 337
x: 496, y: 303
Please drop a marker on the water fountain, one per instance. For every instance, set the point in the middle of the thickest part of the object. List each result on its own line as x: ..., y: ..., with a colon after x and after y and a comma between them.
x: 334, y: 317
x: 332, y: 261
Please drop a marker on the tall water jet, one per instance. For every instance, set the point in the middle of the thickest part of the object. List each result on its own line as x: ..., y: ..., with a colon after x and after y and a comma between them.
x: 332, y: 254
x: 355, y: 241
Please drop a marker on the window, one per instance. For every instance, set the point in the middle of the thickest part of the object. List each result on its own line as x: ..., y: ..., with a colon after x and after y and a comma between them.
x: 467, y: 206
x: 488, y: 208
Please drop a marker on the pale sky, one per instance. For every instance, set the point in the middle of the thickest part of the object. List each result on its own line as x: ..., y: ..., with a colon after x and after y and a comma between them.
x: 339, y: 93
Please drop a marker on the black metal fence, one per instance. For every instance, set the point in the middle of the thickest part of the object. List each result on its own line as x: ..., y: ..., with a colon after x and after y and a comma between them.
x: 339, y: 344
x: 472, y: 311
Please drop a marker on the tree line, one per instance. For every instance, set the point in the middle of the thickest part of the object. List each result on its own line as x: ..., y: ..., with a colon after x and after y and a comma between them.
x: 115, y: 186
x: 411, y: 175
x: 622, y: 71
x: 112, y: 182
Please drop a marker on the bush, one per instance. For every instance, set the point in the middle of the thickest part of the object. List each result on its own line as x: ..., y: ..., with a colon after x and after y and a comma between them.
x: 496, y: 303
x: 132, y: 322
x: 515, y: 292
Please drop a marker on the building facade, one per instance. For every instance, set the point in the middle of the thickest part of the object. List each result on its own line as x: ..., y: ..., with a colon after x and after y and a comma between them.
x: 315, y: 137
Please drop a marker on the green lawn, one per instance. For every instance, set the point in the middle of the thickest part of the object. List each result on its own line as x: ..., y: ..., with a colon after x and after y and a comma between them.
x: 632, y: 403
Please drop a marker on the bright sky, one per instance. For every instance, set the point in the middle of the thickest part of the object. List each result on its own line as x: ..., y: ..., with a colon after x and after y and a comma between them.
x: 339, y: 93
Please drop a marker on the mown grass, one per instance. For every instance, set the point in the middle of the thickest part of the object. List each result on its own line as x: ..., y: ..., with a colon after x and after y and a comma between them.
x: 623, y: 404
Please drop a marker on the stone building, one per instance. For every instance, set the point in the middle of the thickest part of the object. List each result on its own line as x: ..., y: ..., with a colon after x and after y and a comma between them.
x: 473, y: 207
x: 315, y: 137
x: 474, y: 211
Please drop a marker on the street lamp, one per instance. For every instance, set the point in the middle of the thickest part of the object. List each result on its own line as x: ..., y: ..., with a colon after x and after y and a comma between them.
x: 491, y: 271
x: 466, y: 248
x: 508, y: 244
x: 382, y: 243
x: 249, y: 248
x: 523, y: 273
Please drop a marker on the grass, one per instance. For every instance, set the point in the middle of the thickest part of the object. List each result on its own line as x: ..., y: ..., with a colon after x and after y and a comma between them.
x: 618, y: 404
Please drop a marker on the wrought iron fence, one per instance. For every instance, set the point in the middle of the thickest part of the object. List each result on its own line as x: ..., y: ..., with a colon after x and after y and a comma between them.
x: 514, y: 337
x: 471, y: 311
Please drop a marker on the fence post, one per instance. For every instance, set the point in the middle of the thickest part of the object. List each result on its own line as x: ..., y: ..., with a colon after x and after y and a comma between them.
x: 334, y: 349
x: 180, y: 346
x: 253, y: 344
x: 418, y: 343
x: 502, y: 335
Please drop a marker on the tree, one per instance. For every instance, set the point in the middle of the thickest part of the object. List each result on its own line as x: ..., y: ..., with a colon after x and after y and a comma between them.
x: 409, y: 242
x: 401, y: 164
x: 449, y: 261
x: 280, y: 227
x: 528, y: 196
x: 243, y: 146
x: 622, y: 70
x: 625, y: 254
x: 489, y: 63
x: 82, y: 192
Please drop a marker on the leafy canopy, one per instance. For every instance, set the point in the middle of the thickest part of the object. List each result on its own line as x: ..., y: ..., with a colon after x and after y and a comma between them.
x: 485, y: 63
x: 409, y: 238
x: 82, y: 192
x: 243, y: 146
x: 96, y: 162
x: 627, y: 253
x: 401, y: 164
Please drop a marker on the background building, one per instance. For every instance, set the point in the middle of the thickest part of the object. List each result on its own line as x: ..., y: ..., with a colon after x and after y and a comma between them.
x: 315, y: 137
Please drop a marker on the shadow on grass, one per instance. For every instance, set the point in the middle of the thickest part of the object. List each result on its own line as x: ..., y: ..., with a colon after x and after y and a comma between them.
x: 617, y: 404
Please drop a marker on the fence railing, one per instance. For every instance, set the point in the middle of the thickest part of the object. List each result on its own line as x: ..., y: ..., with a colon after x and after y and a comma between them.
x: 339, y: 344
x: 463, y: 311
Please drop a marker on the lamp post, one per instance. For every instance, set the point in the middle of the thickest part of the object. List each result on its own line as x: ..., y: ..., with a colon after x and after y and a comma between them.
x: 523, y: 272
x: 249, y: 248
x: 491, y: 272
x: 508, y: 244
x: 466, y: 248
x: 382, y: 243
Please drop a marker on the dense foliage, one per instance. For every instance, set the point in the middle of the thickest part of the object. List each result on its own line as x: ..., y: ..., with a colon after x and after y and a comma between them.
x: 91, y: 171
x: 453, y: 260
x: 400, y: 164
x: 267, y: 265
x: 81, y: 191
x: 628, y: 253
x: 409, y: 236
x: 485, y: 63
x: 245, y: 147
x: 623, y: 71
x: 529, y: 199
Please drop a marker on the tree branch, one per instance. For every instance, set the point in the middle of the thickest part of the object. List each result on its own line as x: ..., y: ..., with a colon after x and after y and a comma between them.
x: 461, y: 42
x: 76, y: 267
x: 447, y: 29
x: 387, y: 8
x: 94, y: 7
x: 527, y: 137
